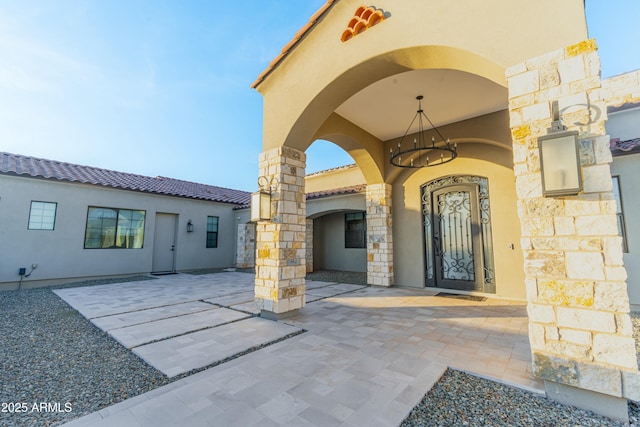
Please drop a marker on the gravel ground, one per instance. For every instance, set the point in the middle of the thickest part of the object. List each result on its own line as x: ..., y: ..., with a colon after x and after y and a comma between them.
x: 51, y: 354
x: 459, y: 399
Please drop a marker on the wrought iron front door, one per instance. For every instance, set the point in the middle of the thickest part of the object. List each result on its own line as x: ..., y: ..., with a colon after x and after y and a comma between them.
x: 457, y: 245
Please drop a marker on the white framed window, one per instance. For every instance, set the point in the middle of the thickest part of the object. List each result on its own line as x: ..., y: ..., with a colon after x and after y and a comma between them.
x: 622, y: 229
x: 42, y: 215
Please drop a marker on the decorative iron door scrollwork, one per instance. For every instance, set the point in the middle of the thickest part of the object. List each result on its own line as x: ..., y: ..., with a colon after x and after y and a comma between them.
x: 457, y: 227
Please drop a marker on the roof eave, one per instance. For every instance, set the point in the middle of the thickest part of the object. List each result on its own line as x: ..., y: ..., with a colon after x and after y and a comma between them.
x: 293, y: 42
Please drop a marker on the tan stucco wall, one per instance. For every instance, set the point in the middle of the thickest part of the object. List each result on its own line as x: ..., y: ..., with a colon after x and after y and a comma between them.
x: 483, y: 38
x: 408, y: 247
x: 627, y: 168
x: 624, y: 124
x: 329, y: 252
x: 60, y: 253
x: 325, y: 205
x: 345, y: 176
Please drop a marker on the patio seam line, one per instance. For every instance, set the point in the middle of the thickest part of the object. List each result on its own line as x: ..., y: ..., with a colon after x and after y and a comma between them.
x: 238, y: 355
x: 230, y: 307
x: 191, y: 332
x: 151, y: 308
x: 156, y: 320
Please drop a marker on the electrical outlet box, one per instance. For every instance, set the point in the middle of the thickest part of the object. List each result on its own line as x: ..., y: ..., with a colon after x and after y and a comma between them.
x: 22, y: 271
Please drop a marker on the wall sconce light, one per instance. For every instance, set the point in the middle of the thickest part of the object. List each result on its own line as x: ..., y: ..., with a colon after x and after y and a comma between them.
x: 261, y: 200
x: 189, y: 226
x: 560, y: 159
x: 260, y: 206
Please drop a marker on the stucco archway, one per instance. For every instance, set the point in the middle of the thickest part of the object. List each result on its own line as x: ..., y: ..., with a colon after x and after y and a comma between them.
x: 307, y: 97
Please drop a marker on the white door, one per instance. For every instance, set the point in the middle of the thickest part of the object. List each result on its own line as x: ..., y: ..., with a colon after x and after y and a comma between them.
x: 164, y: 245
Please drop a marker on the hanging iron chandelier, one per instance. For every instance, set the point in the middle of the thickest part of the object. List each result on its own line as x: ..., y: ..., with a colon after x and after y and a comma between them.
x: 422, y: 153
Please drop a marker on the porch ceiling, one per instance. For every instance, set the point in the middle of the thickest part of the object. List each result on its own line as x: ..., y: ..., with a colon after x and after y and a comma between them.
x: 386, y: 107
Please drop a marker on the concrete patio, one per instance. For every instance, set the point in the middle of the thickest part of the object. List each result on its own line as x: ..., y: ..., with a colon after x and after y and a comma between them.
x: 353, y: 356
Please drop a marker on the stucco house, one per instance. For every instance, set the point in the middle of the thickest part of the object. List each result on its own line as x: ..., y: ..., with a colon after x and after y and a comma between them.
x: 61, y: 222
x: 512, y: 197
x: 486, y: 219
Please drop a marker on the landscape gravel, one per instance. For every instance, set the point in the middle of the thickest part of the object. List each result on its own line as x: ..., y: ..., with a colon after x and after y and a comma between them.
x: 52, y: 355
x: 460, y: 399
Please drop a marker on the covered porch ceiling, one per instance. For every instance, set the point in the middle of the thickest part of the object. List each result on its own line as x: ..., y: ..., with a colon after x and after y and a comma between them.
x: 386, y: 107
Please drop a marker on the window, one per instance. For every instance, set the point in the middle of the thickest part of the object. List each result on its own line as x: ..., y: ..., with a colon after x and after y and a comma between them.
x: 109, y: 228
x: 212, y: 231
x: 355, y: 226
x: 622, y: 230
x: 42, y: 215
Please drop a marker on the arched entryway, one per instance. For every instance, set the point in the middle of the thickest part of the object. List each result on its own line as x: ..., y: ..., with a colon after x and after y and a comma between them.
x: 362, y: 99
x: 363, y: 81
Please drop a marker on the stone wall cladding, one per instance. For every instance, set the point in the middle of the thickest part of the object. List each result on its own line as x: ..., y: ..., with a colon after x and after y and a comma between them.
x: 246, y: 246
x: 280, y: 243
x: 623, y: 89
x: 379, y: 235
x: 578, y: 305
x: 309, y: 242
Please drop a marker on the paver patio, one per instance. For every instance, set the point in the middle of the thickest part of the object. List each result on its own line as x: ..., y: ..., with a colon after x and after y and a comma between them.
x: 366, y: 358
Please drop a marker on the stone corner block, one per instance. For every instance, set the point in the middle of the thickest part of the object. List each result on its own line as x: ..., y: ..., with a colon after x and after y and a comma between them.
x: 631, y: 385
x: 600, y: 379
x: 556, y: 369
x: 615, y: 350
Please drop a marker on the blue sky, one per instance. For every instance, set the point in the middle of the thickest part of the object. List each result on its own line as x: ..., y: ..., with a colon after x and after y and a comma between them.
x: 160, y: 87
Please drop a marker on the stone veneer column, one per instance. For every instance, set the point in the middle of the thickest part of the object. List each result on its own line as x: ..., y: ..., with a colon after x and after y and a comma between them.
x: 246, y: 246
x: 280, y: 243
x: 579, y: 327
x: 309, y: 241
x: 379, y: 236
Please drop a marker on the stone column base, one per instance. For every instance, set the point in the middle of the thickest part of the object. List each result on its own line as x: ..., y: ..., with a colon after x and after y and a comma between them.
x: 270, y: 315
x: 602, y: 404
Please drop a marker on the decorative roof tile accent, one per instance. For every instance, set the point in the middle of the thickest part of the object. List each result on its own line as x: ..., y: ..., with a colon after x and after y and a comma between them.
x: 364, y: 18
x: 620, y: 148
x: 18, y: 165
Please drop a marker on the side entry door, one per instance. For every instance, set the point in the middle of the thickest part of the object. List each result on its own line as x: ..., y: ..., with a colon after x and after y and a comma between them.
x: 164, y: 243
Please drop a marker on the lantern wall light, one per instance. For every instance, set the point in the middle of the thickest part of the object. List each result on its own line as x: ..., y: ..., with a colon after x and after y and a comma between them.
x: 559, y: 159
x: 261, y: 199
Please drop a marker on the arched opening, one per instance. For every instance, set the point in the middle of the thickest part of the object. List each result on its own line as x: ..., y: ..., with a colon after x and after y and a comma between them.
x: 336, y: 213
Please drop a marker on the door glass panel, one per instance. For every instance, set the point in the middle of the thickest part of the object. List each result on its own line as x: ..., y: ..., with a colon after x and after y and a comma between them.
x: 456, y: 245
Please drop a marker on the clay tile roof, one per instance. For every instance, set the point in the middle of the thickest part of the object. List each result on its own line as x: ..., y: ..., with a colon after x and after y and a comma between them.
x: 619, y: 148
x: 354, y: 189
x: 15, y: 164
x: 622, y: 107
x: 296, y: 38
x: 337, y: 168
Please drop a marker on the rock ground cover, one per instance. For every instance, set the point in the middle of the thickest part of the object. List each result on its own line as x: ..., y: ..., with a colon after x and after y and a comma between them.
x: 51, y: 354
x: 460, y: 399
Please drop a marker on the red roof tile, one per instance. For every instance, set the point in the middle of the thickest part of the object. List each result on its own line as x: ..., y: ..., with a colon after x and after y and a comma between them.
x: 354, y: 189
x: 619, y: 148
x: 15, y: 164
